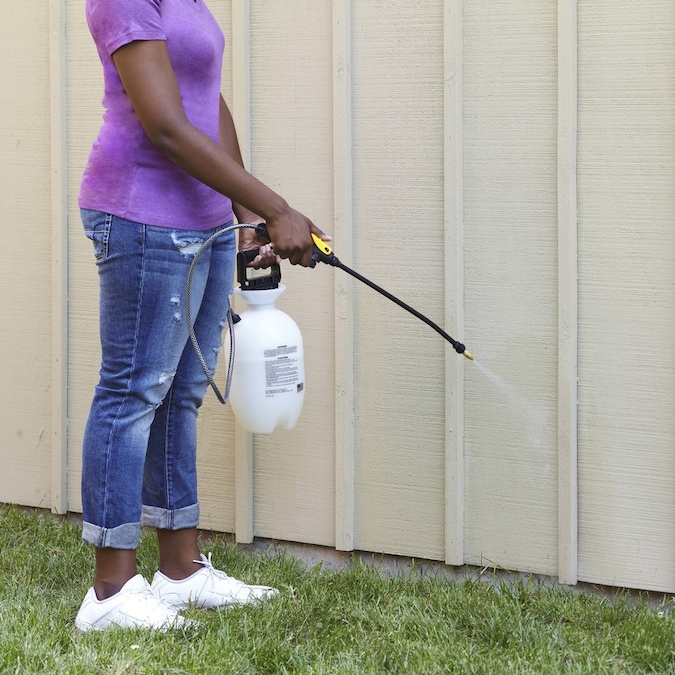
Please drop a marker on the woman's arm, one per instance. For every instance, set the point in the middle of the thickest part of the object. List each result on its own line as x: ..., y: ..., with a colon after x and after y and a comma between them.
x: 150, y: 83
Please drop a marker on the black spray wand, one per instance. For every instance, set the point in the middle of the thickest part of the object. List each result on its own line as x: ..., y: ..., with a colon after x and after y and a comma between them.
x: 323, y: 253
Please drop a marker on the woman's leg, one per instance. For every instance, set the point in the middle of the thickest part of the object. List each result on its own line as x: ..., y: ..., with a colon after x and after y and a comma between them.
x: 142, y: 273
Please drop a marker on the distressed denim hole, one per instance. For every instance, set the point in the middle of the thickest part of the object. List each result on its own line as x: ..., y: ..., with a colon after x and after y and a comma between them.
x: 166, y: 376
x: 175, y: 302
x: 188, y: 246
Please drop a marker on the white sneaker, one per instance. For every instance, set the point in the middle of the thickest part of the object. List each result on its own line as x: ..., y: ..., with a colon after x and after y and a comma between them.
x: 207, y: 587
x: 134, y: 606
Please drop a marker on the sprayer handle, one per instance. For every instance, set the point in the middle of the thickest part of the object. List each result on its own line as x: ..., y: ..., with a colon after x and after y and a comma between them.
x: 247, y: 256
x: 250, y: 279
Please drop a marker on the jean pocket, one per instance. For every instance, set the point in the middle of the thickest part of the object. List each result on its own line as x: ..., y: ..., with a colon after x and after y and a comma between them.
x: 97, y: 228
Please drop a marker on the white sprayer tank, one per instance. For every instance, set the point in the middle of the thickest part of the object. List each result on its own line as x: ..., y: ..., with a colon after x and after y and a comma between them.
x: 268, y: 378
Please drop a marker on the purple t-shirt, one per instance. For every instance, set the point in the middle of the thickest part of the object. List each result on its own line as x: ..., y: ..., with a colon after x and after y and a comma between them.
x: 126, y: 175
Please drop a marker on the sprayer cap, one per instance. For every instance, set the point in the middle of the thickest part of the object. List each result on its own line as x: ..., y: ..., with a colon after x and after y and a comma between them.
x: 260, y: 297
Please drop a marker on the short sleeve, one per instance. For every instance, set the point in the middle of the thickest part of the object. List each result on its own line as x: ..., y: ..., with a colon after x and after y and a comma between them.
x: 114, y: 23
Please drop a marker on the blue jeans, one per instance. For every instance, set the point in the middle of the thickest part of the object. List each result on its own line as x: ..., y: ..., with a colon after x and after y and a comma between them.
x: 140, y: 442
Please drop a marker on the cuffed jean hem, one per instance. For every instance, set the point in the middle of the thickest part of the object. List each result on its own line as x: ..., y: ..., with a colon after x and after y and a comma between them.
x: 123, y: 536
x: 170, y: 519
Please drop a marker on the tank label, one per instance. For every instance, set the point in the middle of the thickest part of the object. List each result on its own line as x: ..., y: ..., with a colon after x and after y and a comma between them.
x: 281, y: 370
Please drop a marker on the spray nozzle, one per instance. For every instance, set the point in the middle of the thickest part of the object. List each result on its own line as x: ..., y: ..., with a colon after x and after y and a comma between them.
x: 461, y: 349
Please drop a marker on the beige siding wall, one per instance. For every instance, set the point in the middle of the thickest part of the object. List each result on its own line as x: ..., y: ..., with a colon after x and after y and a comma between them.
x: 472, y: 157
x: 398, y: 240
x: 627, y: 293
x: 510, y: 234
x: 25, y: 273
x: 291, y: 141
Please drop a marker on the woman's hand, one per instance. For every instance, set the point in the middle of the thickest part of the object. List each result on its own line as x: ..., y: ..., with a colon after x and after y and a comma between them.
x: 291, y: 236
x: 267, y: 255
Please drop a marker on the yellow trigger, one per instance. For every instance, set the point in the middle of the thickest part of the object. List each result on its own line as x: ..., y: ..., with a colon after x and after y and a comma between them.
x: 322, y: 245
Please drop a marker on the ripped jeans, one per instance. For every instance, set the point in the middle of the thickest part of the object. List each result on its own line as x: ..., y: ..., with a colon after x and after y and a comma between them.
x: 139, y: 448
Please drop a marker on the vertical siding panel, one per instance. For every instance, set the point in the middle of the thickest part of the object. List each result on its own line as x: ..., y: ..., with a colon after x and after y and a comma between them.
x: 627, y: 293
x: 343, y: 237
x: 59, y: 239
x: 26, y: 361
x: 454, y: 281
x: 399, y: 242
x: 292, y: 151
x: 511, y: 285
x: 567, y: 292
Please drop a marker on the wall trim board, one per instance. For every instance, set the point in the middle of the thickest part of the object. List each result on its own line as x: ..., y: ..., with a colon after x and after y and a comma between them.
x: 454, y: 280
x: 344, y: 306
x: 241, y: 114
x: 567, y: 292
x: 59, y: 255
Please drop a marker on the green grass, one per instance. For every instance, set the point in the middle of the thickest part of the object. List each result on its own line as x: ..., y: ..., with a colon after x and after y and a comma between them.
x: 349, y: 621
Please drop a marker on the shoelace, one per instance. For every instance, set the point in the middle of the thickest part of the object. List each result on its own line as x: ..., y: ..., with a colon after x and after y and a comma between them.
x: 216, y: 572
x: 205, y: 561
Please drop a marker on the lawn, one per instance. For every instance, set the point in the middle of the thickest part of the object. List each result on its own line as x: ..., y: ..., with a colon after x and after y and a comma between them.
x: 352, y: 620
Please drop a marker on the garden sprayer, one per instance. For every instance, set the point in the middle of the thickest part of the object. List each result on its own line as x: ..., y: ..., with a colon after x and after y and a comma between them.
x: 266, y: 376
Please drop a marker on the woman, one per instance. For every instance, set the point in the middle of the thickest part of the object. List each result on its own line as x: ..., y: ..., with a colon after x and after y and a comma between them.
x: 163, y: 175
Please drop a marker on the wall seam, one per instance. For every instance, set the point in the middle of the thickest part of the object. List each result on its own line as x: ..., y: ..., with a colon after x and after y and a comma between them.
x: 59, y: 253
x: 344, y: 306
x: 454, y: 280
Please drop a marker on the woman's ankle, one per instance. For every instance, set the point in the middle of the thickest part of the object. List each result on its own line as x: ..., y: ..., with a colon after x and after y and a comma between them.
x: 178, y: 549
x: 114, y: 567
